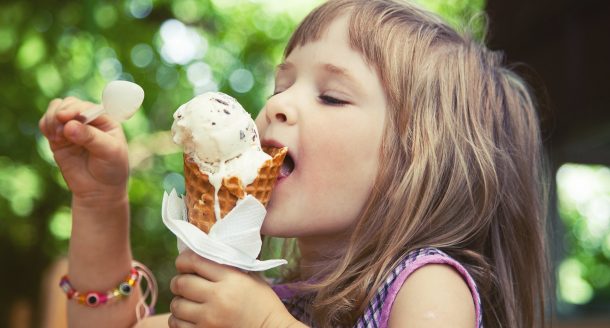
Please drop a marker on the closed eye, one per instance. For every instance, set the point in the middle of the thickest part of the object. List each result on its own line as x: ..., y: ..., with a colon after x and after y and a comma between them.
x: 332, y: 101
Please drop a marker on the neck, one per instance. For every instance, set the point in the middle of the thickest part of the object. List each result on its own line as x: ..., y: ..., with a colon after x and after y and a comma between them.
x: 316, y: 253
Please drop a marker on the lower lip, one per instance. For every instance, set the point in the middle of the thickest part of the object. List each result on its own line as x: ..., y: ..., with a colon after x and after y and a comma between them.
x: 280, y: 179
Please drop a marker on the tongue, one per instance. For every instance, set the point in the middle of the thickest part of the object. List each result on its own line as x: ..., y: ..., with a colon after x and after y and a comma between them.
x: 287, y: 166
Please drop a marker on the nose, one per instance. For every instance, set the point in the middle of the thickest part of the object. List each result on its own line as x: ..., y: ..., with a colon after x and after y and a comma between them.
x: 280, y: 109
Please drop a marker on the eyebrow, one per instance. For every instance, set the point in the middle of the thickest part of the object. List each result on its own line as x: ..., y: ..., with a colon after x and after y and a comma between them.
x: 336, y: 70
x: 284, y: 66
x: 344, y: 74
x: 341, y: 72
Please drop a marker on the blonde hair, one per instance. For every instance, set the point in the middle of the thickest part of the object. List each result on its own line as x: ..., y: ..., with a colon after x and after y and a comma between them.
x: 461, y: 166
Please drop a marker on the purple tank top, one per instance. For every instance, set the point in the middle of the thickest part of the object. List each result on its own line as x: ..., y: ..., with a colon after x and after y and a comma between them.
x: 377, y: 313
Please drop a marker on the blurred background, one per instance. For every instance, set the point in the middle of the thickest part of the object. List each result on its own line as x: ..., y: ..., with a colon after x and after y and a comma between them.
x: 178, y: 49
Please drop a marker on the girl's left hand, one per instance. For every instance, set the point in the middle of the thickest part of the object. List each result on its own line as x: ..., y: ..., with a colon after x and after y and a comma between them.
x: 209, y: 294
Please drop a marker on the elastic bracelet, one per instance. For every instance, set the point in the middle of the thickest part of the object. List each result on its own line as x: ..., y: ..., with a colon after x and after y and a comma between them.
x: 94, y: 299
x: 144, y: 310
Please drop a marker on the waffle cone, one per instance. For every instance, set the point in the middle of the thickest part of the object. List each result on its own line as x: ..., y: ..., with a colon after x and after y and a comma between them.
x: 200, y: 192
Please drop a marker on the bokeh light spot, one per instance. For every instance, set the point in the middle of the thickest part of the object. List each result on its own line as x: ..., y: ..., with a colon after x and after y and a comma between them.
x: 241, y: 80
x: 572, y: 287
x: 199, y: 73
x: 60, y: 224
x: 140, y: 8
x: 20, y: 185
x: 32, y: 51
x: 110, y: 68
x: 142, y: 55
x: 105, y: 15
x: 49, y: 80
x: 181, y: 44
x: 188, y: 11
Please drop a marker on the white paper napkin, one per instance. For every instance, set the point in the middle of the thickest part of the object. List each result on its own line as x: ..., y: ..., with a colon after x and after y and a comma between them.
x: 235, y: 240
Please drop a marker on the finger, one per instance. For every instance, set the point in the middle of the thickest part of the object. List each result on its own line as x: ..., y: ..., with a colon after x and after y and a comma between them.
x: 174, y: 322
x: 50, y: 121
x: 190, y: 286
x: 42, y: 123
x: 66, y: 104
x: 69, y: 100
x: 185, y: 309
x: 70, y: 111
x: 189, y: 262
x: 97, y: 142
x: 73, y: 112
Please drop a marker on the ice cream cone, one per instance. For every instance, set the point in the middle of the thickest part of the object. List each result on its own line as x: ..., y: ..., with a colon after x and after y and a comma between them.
x: 200, y: 192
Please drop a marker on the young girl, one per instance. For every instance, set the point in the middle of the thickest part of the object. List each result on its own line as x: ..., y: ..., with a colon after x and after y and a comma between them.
x: 412, y: 187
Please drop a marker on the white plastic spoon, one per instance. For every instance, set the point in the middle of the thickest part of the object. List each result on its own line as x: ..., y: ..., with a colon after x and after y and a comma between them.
x: 120, y: 100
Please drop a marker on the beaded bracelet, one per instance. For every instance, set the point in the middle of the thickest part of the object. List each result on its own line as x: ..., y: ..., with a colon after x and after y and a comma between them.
x: 94, y: 299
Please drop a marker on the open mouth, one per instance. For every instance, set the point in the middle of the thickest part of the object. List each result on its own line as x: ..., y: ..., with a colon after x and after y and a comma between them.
x: 287, y: 167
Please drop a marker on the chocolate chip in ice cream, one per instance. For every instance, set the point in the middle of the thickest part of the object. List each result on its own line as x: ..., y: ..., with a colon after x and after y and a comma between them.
x: 221, y: 101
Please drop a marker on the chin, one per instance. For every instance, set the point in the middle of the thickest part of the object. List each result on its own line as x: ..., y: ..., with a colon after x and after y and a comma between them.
x: 275, y: 226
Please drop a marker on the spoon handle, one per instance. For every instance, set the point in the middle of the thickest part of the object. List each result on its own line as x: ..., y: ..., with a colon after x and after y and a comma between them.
x: 90, y: 114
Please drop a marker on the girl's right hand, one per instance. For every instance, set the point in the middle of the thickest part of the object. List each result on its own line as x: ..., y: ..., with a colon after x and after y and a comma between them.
x: 92, y: 158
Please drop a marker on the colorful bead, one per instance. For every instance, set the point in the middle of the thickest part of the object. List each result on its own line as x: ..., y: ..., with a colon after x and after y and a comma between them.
x: 125, y: 289
x: 94, y: 299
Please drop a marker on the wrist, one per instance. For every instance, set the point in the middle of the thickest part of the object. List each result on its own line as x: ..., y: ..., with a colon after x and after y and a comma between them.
x: 109, y: 212
x: 101, y: 199
x: 282, y: 319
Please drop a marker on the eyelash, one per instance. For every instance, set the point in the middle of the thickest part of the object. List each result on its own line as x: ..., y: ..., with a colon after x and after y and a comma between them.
x: 327, y: 100
x: 332, y: 101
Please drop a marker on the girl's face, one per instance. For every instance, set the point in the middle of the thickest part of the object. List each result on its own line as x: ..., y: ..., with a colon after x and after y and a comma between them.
x: 329, y: 109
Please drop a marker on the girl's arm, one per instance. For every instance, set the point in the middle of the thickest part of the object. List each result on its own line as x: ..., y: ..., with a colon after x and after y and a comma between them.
x: 433, y: 296
x: 93, y: 161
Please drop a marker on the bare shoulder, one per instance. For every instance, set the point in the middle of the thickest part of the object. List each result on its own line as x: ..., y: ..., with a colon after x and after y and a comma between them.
x: 433, y: 296
x: 155, y: 321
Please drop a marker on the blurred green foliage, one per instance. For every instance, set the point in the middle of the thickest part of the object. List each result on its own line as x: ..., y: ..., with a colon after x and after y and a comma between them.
x: 584, y: 207
x: 174, y: 50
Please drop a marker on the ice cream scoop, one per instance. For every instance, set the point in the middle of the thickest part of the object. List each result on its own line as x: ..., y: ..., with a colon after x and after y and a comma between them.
x: 120, y: 100
x: 213, y: 127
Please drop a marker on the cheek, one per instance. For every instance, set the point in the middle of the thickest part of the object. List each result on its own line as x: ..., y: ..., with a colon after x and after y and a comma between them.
x: 337, y: 182
x: 341, y: 187
x: 343, y: 157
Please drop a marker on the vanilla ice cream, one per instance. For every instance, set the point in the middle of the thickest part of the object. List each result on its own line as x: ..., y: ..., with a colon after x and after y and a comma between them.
x: 214, y: 127
x: 221, y: 137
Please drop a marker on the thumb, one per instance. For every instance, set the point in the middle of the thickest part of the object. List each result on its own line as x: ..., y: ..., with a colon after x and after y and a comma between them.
x: 97, y: 142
